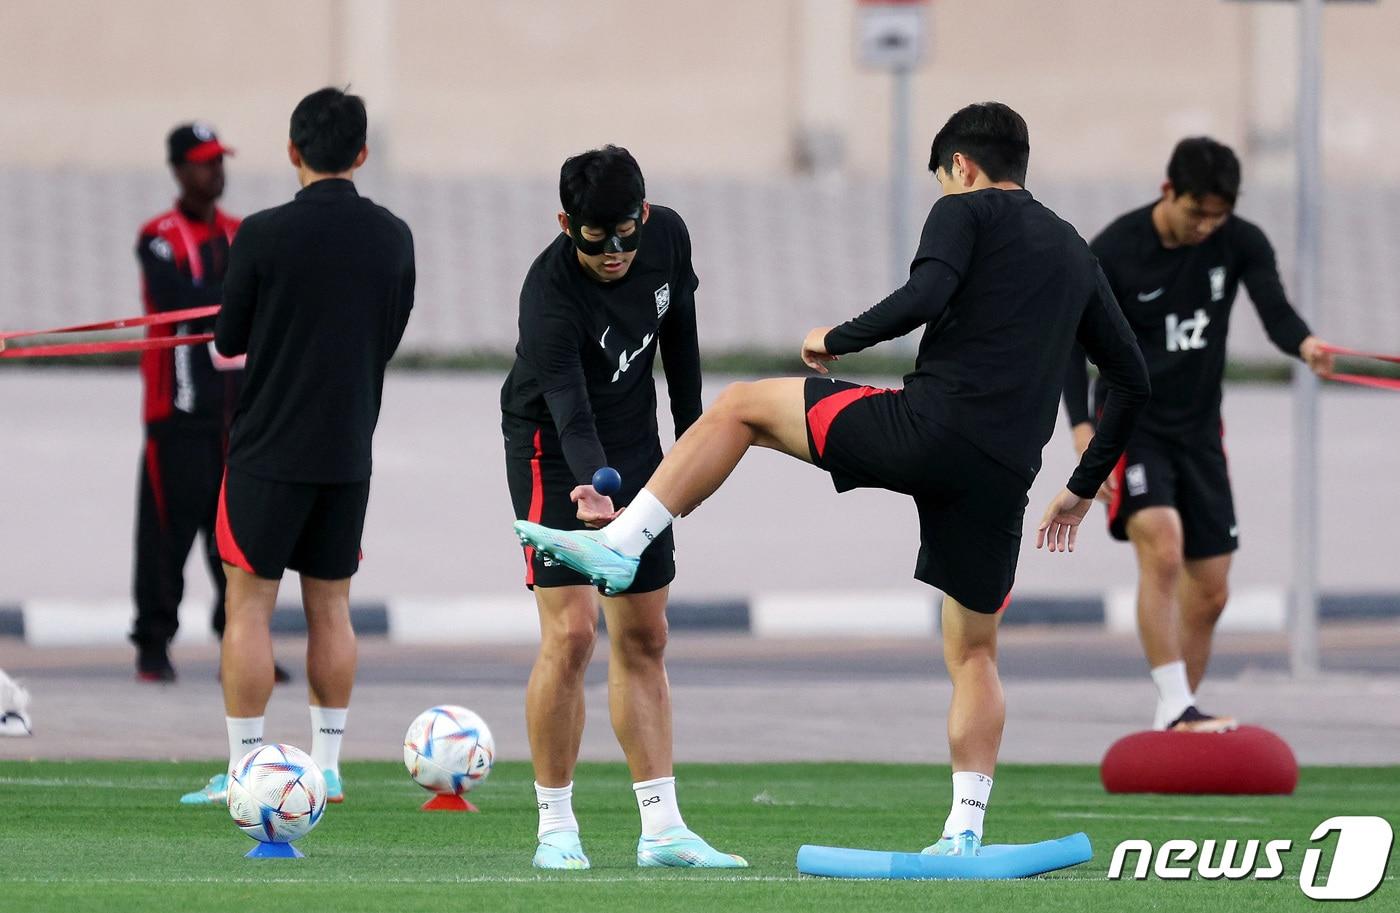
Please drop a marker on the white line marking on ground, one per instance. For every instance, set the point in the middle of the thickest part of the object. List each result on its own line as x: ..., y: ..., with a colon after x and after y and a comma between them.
x: 1207, y: 818
x: 540, y: 879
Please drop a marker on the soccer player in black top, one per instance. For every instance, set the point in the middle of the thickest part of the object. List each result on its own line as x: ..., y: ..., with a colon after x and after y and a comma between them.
x: 613, y: 289
x: 1003, y: 288
x: 318, y: 295
x: 1175, y: 266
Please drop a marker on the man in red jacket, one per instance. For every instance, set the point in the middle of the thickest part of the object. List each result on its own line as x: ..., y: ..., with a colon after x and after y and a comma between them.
x: 189, y: 395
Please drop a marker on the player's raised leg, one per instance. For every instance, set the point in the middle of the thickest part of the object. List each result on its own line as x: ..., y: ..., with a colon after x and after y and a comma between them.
x: 765, y: 413
x: 331, y: 657
x: 639, y: 698
x: 554, y: 717
x: 246, y: 670
x: 1202, y: 594
x: 976, y: 719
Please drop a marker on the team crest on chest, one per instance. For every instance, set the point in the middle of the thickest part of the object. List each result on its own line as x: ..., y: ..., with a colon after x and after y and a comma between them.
x: 663, y: 300
x: 1217, y: 284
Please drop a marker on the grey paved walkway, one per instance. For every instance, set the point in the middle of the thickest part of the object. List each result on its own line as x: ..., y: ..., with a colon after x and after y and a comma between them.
x: 1070, y: 694
x: 439, y: 512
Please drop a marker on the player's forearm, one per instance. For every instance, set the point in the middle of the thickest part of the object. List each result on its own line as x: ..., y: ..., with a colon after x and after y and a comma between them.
x: 171, y: 290
x: 231, y: 332
x: 577, y: 431
x: 1105, y: 335
x: 1128, y: 394
x: 919, y: 301
x: 680, y: 361
x: 1281, y: 322
x: 1077, y: 389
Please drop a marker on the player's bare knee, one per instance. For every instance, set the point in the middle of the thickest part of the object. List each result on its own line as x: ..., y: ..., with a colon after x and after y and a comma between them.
x: 732, y: 402
x: 570, y: 642
x: 1159, y: 549
x: 961, y: 653
x: 645, y: 643
x: 1212, y: 602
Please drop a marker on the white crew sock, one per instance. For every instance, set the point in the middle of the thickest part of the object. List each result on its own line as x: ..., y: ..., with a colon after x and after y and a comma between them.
x: 327, y: 729
x: 244, y: 734
x: 656, y: 799
x: 643, y: 520
x: 1173, y: 693
x: 556, y: 808
x: 970, y: 794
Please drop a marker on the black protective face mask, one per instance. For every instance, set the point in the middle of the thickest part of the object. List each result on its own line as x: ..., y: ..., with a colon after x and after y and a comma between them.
x: 613, y: 243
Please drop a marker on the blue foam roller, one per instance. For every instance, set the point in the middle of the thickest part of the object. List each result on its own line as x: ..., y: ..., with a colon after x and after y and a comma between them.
x: 1006, y: 860
x: 274, y: 851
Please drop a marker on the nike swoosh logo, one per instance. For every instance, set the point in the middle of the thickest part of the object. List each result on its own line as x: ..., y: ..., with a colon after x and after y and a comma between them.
x: 603, y: 341
x: 1151, y: 296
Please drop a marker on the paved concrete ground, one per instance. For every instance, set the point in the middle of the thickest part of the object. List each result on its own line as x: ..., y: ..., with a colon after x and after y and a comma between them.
x: 1070, y: 694
x: 439, y: 513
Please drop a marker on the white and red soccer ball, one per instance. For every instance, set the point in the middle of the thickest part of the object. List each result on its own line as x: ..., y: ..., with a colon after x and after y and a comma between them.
x: 448, y: 750
x: 276, y: 794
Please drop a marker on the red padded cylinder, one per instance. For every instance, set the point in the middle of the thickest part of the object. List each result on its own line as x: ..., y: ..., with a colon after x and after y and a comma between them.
x: 1246, y: 761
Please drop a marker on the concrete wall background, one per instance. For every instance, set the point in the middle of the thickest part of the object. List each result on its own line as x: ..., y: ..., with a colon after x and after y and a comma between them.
x: 488, y: 87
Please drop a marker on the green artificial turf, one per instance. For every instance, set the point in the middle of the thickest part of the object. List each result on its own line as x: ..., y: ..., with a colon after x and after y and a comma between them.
x: 110, y: 836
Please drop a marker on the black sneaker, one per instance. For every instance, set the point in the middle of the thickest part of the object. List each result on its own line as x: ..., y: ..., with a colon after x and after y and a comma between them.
x: 1193, y: 720
x: 153, y: 665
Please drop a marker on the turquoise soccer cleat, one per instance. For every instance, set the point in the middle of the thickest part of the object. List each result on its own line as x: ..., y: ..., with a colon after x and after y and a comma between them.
x: 215, y: 792
x: 965, y: 844
x: 561, y: 850
x: 682, y: 848
x: 335, y: 790
x: 582, y: 551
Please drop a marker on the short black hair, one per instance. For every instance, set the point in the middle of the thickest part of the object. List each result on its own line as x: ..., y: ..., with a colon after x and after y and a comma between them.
x: 1201, y: 166
x: 989, y: 133
x: 328, y: 129
x: 601, y: 187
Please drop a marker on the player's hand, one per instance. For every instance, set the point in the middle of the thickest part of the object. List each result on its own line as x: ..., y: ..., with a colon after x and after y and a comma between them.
x: 1060, y: 525
x: 593, y: 509
x: 814, y: 353
x: 1314, y: 353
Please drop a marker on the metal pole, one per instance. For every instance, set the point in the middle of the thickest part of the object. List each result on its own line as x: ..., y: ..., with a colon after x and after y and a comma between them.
x: 901, y: 189
x: 1303, y: 653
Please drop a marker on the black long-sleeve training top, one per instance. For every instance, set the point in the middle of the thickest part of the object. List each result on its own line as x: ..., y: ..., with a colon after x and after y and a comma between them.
x: 587, y: 348
x: 318, y: 294
x: 1178, y: 303
x: 1004, y: 288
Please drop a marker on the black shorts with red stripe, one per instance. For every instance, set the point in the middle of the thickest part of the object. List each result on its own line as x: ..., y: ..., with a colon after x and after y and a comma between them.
x: 971, y: 508
x: 1189, y: 473
x: 540, y: 482
x: 267, y: 528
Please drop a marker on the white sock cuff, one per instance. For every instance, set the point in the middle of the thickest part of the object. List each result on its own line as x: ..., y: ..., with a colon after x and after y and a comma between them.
x: 652, y: 504
x: 333, y: 717
x: 972, y: 778
x: 647, y: 784
x: 643, y: 520
x: 1172, y: 682
x: 554, y: 792
x: 244, y: 734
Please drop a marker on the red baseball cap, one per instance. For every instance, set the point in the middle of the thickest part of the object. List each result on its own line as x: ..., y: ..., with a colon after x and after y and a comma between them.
x: 194, y: 142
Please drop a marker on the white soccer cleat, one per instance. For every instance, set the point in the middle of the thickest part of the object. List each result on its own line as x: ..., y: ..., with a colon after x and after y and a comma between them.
x: 14, y: 708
